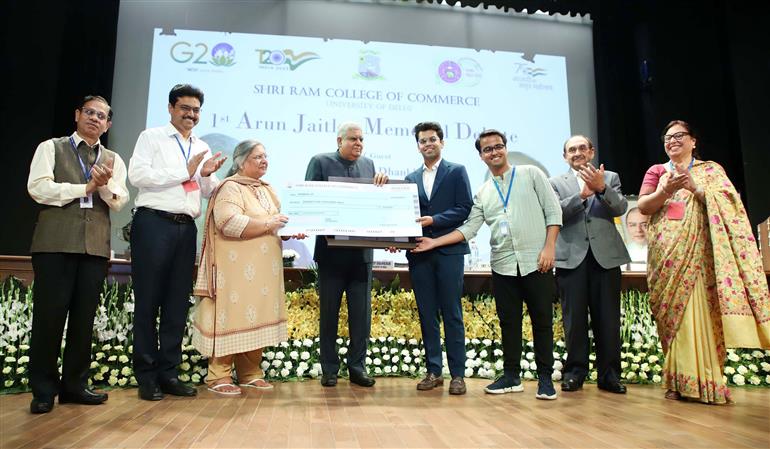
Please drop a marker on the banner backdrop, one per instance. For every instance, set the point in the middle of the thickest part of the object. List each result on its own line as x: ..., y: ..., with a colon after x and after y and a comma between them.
x: 291, y: 93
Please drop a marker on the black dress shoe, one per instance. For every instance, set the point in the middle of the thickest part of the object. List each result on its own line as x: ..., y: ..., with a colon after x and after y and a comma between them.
x: 38, y: 406
x: 329, y: 380
x: 362, y: 379
x: 84, y: 396
x: 150, y: 392
x: 175, y: 387
x: 571, y: 385
x: 613, y: 387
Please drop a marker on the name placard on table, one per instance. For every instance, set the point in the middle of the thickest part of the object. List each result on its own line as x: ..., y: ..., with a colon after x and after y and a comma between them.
x: 353, y: 210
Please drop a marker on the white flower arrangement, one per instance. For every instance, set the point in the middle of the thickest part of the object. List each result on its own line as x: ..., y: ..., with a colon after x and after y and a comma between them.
x: 641, y: 357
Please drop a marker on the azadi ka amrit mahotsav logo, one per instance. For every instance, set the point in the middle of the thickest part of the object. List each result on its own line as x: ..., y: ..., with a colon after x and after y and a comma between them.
x: 534, y: 72
x: 287, y: 58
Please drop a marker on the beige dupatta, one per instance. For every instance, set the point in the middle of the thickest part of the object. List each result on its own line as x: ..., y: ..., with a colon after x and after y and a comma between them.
x: 205, y: 282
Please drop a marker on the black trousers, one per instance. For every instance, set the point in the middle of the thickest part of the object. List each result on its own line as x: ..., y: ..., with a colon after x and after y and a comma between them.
x: 355, y: 280
x: 591, y: 289
x: 537, y: 291
x: 163, y: 259
x: 67, y: 287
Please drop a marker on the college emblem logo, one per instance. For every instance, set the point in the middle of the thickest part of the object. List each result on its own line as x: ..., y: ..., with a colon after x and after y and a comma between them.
x: 450, y: 72
x: 464, y: 71
x: 369, y: 65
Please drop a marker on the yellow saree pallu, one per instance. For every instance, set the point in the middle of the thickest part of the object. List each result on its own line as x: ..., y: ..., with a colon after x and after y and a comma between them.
x: 707, y: 287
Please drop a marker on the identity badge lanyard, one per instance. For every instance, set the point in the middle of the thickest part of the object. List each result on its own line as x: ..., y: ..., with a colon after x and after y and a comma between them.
x: 503, y: 224
x: 181, y: 148
x: 671, y: 164
x: 676, y: 208
x: 86, y: 202
x: 189, y: 185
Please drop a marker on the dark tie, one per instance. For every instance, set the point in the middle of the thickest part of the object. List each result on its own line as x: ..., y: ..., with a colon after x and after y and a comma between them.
x: 87, y: 153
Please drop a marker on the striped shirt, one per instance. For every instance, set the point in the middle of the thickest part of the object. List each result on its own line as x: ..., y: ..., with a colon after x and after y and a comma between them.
x: 531, y: 208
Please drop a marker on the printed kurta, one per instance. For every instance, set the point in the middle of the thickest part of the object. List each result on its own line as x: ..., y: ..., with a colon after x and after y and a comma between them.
x: 240, y: 281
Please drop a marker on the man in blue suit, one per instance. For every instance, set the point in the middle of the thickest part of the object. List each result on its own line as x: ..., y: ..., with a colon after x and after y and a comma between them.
x: 437, y: 275
x: 589, y: 253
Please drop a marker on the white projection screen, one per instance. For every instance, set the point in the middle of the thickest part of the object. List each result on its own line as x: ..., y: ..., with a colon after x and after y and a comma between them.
x: 288, y: 73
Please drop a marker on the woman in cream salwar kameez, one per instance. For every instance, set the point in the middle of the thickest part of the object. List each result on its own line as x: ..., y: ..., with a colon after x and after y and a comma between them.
x: 240, y: 276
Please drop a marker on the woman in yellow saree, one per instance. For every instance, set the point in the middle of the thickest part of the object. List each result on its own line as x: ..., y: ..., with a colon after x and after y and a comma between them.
x: 708, y: 290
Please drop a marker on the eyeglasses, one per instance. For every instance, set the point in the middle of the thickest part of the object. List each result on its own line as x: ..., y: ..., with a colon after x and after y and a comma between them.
x: 431, y: 139
x: 582, y: 148
x: 491, y: 148
x: 259, y: 157
x: 93, y: 112
x: 186, y: 108
x: 676, y: 136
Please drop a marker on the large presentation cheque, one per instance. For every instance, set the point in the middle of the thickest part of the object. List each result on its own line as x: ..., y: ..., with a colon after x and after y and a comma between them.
x: 351, y: 209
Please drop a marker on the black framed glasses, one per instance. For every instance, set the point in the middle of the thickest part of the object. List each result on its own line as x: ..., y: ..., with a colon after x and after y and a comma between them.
x: 676, y: 136
x: 491, y: 148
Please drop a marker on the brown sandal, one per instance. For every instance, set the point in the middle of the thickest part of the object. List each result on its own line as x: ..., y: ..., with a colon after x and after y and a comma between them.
x: 673, y: 395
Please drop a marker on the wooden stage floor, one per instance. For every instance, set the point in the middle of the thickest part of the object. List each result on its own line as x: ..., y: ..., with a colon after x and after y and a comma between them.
x: 392, y: 414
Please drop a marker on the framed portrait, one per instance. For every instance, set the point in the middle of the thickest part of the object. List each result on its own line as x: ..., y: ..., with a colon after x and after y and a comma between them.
x: 634, y: 231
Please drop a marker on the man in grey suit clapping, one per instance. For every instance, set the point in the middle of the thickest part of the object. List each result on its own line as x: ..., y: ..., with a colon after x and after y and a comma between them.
x: 589, y: 252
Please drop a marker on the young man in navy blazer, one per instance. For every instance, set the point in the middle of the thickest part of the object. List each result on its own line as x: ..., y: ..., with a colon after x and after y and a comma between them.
x: 437, y: 275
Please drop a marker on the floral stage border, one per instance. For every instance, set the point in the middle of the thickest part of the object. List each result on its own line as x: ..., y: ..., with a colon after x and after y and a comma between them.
x: 393, y: 349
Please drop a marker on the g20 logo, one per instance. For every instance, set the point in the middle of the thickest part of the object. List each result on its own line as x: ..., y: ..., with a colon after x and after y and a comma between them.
x: 223, y: 54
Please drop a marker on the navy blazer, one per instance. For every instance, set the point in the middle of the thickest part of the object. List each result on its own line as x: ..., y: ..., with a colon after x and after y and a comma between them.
x: 449, y: 205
